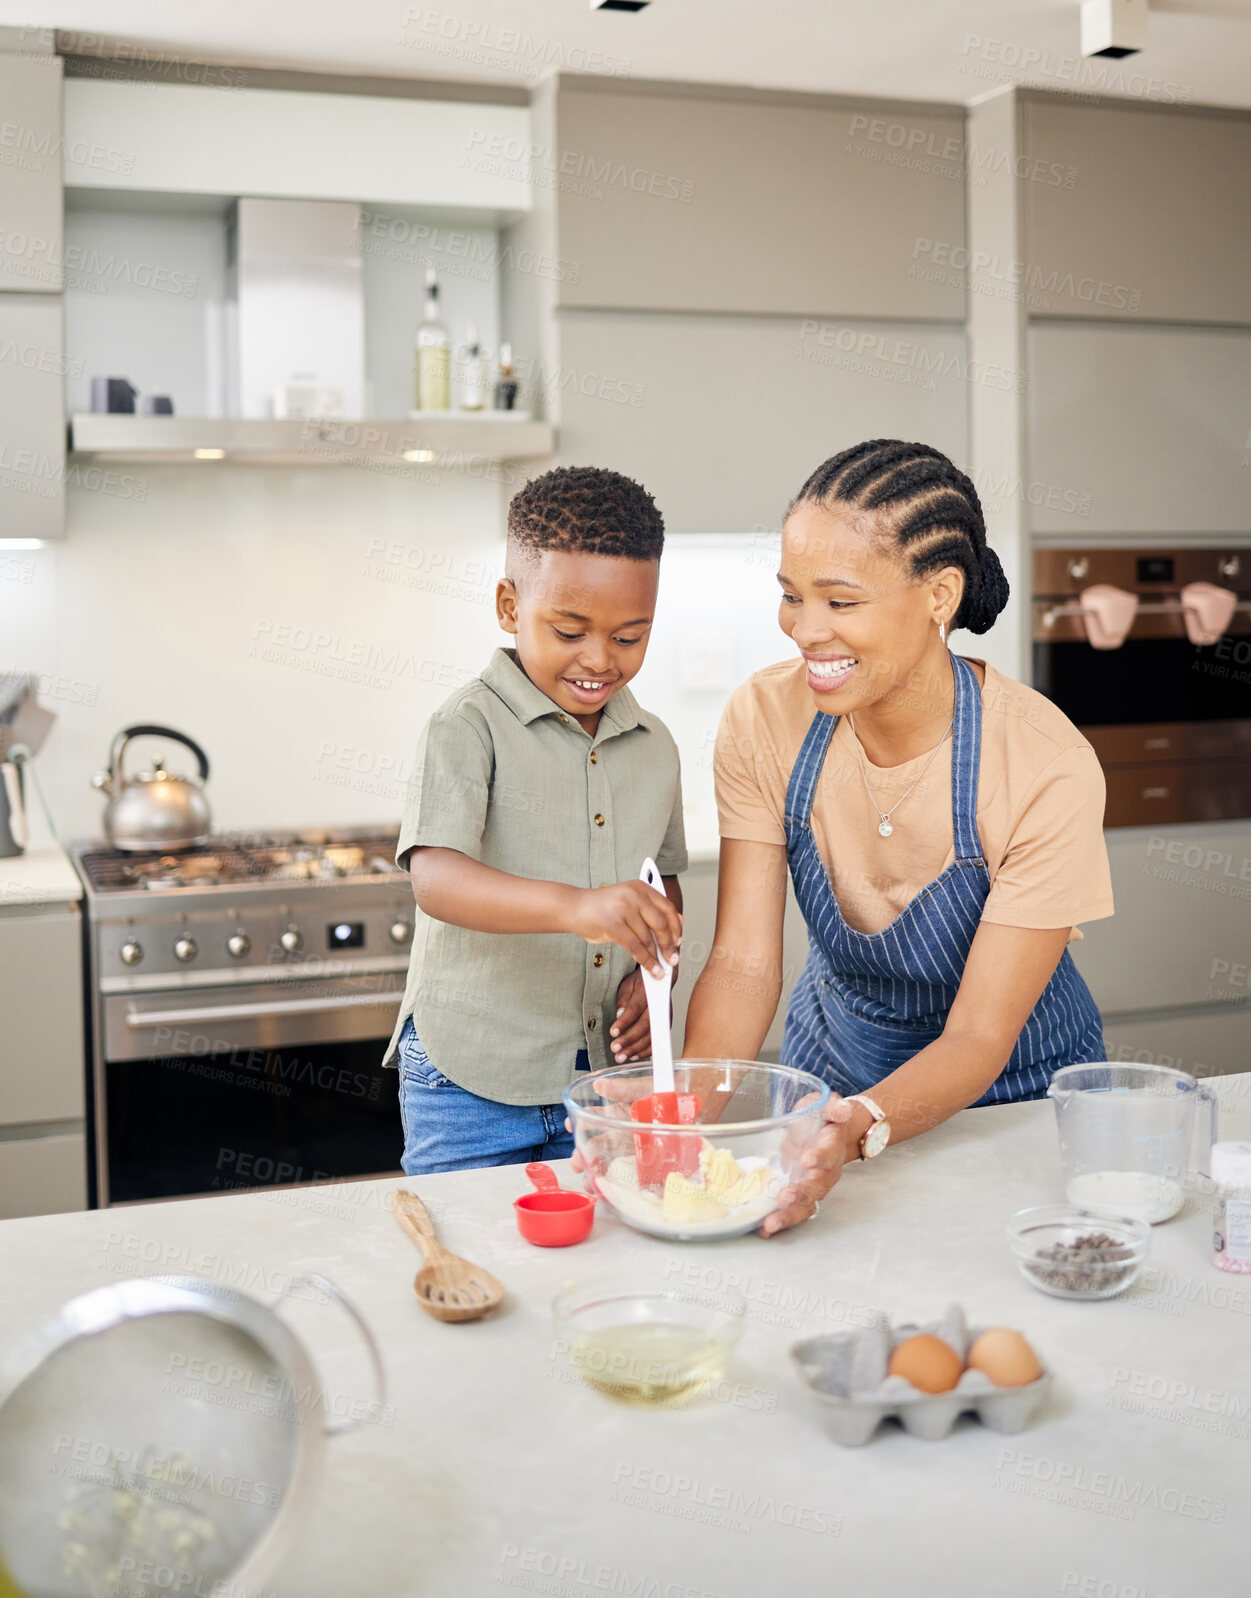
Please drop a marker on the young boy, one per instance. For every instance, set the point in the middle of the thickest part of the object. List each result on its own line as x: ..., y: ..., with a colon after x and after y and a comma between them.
x: 538, y: 790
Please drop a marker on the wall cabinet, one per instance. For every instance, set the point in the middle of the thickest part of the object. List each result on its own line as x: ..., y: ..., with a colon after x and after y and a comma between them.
x: 33, y: 368
x: 1149, y: 427
x: 723, y: 418
x: 1150, y: 216
x: 34, y: 156
x: 699, y: 201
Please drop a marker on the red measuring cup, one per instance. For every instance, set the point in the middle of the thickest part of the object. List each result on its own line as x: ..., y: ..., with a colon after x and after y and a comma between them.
x: 552, y: 1216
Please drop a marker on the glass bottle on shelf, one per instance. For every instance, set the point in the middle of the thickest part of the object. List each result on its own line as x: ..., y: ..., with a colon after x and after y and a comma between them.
x: 506, y: 387
x: 475, y: 384
x: 434, y: 354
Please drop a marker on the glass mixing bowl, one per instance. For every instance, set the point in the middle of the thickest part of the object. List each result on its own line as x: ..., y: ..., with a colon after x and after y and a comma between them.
x: 718, y: 1170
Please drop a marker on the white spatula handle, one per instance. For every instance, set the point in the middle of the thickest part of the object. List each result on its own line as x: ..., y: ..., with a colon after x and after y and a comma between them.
x: 657, y: 990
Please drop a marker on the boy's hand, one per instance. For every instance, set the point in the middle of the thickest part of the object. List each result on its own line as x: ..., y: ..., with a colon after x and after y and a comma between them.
x: 632, y: 915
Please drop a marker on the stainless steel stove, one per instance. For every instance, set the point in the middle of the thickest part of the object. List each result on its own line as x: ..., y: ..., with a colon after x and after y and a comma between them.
x: 241, y: 997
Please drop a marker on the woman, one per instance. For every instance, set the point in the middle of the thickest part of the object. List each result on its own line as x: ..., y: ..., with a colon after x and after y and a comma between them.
x: 942, y: 826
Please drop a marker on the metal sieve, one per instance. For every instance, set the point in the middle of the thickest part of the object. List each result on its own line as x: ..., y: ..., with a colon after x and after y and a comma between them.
x: 161, y: 1436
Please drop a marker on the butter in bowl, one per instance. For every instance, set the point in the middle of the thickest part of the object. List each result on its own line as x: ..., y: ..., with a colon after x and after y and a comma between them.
x: 922, y: 1376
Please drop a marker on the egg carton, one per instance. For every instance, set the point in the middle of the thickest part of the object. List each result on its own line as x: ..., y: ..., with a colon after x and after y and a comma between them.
x: 847, y: 1373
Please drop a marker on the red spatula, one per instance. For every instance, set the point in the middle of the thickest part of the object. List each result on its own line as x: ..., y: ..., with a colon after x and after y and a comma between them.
x: 655, y: 1155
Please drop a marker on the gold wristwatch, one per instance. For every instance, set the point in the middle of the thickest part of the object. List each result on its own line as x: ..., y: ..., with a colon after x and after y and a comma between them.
x: 878, y: 1135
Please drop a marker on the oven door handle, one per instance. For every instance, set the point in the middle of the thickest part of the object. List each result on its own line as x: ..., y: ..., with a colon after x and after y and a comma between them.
x: 246, y: 1012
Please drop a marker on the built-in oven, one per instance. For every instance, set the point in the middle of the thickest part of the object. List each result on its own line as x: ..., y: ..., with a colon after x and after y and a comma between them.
x: 241, y: 1000
x: 1126, y: 643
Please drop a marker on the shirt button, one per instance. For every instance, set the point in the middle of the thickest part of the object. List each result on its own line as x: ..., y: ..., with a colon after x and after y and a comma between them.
x: 563, y: 719
x: 590, y: 1023
x: 599, y: 821
x: 598, y: 960
x: 594, y: 758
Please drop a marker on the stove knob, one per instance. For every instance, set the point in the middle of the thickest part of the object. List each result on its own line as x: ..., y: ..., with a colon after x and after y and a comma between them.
x: 238, y: 944
x: 291, y: 940
x: 401, y: 931
x: 131, y: 952
x: 185, y: 949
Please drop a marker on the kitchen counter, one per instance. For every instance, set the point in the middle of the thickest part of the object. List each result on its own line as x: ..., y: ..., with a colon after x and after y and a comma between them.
x: 43, y: 875
x: 492, y: 1468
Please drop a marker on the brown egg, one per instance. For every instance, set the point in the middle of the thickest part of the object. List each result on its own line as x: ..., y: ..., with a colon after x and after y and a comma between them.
x: 1005, y: 1357
x: 928, y: 1363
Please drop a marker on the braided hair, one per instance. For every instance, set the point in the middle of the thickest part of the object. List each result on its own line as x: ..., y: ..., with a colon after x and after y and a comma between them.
x: 936, y: 516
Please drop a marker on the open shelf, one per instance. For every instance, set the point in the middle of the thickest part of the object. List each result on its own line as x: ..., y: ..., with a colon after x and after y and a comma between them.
x: 449, y: 439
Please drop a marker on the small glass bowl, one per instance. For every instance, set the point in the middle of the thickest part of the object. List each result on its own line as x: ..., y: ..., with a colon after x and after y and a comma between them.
x: 1040, y: 1236
x: 644, y: 1338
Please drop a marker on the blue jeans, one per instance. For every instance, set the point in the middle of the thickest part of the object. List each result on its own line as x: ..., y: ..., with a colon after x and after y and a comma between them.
x: 447, y: 1128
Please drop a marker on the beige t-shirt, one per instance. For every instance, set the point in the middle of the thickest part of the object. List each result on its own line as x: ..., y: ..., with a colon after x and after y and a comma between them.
x: 1039, y: 805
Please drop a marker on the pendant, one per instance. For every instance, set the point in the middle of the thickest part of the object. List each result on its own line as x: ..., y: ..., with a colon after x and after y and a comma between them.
x: 884, y: 828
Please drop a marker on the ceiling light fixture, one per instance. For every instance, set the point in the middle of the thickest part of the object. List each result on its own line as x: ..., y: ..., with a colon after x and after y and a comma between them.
x: 420, y: 455
x: 1114, y: 27
x: 209, y: 454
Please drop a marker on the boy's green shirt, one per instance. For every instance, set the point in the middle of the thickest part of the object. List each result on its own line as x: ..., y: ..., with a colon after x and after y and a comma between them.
x: 503, y: 775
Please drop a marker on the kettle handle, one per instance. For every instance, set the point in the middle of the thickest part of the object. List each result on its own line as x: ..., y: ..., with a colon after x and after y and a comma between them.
x: 148, y: 730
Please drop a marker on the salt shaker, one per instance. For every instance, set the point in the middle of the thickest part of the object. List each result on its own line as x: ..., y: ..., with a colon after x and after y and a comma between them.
x: 1231, y: 1235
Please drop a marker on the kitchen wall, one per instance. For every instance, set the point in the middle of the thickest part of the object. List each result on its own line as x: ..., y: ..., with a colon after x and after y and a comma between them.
x: 300, y: 625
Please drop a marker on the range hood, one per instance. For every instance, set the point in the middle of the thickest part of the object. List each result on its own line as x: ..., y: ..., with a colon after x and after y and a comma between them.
x: 296, y: 306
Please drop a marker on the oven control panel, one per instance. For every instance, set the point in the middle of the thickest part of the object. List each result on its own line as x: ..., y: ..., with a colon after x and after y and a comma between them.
x: 240, y: 941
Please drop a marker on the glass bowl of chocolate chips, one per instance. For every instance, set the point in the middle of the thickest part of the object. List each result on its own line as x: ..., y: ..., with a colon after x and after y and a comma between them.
x: 1071, y: 1252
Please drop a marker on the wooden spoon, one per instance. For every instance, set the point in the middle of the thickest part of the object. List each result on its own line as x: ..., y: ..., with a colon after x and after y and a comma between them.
x: 447, y: 1287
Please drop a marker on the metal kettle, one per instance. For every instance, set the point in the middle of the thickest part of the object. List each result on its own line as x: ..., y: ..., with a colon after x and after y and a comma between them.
x: 156, y: 809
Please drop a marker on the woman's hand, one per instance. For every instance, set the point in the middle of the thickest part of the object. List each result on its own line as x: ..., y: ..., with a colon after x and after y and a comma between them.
x: 631, y: 1031
x: 824, y: 1161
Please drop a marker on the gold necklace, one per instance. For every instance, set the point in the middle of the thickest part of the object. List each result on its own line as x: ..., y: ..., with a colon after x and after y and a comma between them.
x: 884, y: 827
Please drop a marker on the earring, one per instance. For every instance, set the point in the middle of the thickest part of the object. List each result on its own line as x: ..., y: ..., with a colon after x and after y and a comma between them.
x: 942, y: 631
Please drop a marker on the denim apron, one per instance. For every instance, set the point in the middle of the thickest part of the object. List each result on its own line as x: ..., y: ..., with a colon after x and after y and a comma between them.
x: 867, y: 1002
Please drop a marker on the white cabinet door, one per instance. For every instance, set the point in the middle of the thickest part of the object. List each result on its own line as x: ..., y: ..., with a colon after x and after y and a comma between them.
x: 723, y: 418
x: 32, y: 163
x: 1181, y: 934
x: 1137, y: 211
x: 43, y: 1175
x: 42, y: 1059
x: 1147, y: 429
x: 33, y: 366
x: 1202, y: 1042
x: 690, y: 201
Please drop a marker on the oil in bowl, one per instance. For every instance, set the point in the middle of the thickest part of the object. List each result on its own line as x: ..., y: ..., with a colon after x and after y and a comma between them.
x: 646, y: 1340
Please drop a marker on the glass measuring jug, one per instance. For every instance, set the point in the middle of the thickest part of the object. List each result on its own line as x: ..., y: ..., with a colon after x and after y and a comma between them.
x: 1127, y: 1134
